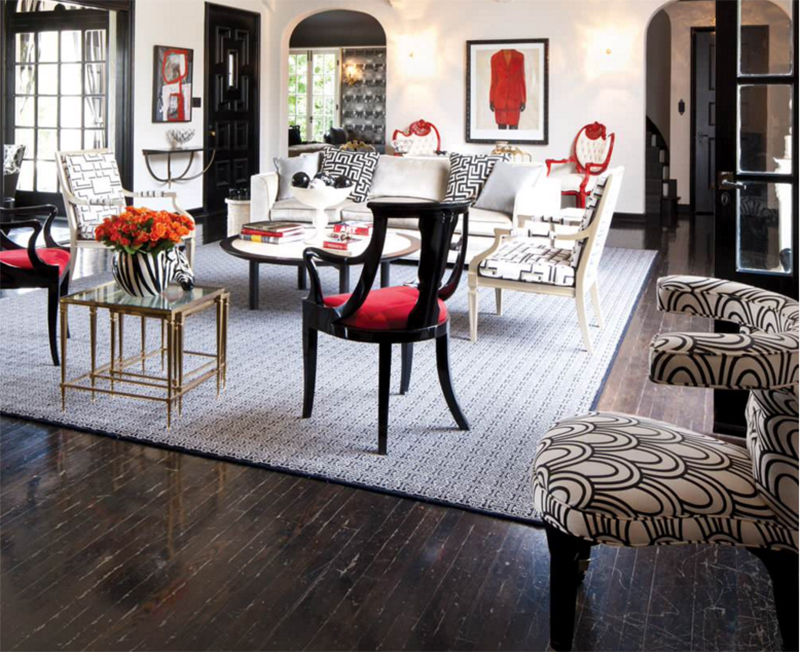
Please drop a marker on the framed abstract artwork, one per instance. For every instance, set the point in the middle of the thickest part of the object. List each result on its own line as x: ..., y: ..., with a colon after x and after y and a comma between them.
x: 172, y: 84
x: 507, y: 91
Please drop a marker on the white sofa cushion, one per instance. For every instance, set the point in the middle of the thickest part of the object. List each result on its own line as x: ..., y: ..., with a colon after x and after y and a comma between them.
x: 506, y: 180
x: 423, y: 177
x: 293, y: 210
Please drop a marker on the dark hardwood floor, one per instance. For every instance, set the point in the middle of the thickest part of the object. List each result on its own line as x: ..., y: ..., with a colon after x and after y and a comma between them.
x: 108, y: 545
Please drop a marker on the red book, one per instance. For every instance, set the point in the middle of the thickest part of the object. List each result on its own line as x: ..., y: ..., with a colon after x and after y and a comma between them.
x: 354, y: 228
x: 341, y: 242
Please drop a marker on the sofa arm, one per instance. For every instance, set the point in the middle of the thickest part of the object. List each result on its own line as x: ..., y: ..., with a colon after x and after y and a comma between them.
x: 542, y: 198
x: 263, y: 192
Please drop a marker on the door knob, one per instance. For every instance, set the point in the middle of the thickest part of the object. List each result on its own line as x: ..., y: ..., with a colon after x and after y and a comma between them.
x: 734, y: 184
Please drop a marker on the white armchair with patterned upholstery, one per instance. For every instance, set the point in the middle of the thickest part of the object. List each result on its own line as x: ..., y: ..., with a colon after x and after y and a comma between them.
x: 563, y: 264
x: 591, y: 156
x: 92, y: 190
x: 622, y: 480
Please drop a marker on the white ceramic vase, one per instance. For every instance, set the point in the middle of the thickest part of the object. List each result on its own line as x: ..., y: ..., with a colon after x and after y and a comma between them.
x: 320, y: 199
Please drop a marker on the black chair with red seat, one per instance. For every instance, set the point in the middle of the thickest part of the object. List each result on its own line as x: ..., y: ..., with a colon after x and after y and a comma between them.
x: 31, y: 267
x: 394, y: 315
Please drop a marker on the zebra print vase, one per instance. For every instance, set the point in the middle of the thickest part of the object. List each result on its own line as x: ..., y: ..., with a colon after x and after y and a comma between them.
x: 141, y: 274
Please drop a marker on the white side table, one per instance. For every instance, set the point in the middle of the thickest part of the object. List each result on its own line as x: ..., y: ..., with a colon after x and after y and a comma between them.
x: 238, y: 214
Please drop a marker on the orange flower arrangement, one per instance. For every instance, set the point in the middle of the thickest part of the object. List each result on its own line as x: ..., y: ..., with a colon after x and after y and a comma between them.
x: 143, y: 230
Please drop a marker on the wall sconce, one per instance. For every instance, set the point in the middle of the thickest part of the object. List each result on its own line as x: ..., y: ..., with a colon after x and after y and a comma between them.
x: 681, y: 107
x: 351, y: 74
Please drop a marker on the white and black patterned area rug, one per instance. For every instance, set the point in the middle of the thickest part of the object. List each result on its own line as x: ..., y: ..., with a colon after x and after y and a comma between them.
x: 526, y: 371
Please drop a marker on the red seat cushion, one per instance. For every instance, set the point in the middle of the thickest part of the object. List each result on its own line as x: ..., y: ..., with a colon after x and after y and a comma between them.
x: 19, y: 258
x: 385, y: 309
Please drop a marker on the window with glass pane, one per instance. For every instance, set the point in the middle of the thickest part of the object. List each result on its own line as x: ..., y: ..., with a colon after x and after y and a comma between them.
x: 60, y: 98
x: 313, y: 92
x: 765, y: 228
x: 767, y: 49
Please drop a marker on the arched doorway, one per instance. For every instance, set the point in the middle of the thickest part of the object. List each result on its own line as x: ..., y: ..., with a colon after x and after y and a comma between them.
x: 336, y: 81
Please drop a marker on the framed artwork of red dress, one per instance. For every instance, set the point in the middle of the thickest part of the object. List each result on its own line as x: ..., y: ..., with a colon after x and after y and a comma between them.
x: 507, y: 91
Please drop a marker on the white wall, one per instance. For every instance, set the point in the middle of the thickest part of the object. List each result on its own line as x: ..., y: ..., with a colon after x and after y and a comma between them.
x: 180, y: 23
x: 585, y: 83
x: 683, y: 16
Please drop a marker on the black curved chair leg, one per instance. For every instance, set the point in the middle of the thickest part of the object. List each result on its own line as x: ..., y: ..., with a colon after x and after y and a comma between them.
x: 64, y: 291
x: 407, y: 350
x: 443, y: 367
x: 384, y: 385
x: 52, y: 320
x: 565, y: 553
x: 782, y: 567
x: 310, y: 337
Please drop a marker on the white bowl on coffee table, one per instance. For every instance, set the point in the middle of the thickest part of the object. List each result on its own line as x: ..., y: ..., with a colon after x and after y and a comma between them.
x: 320, y: 199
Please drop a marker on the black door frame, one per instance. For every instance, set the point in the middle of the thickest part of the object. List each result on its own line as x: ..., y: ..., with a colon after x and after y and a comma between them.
x: 729, y: 406
x: 692, y: 116
x: 124, y: 70
x: 257, y: 113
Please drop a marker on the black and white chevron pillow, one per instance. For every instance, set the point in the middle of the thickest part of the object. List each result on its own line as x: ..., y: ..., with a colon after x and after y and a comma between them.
x: 468, y: 174
x: 359, y: 167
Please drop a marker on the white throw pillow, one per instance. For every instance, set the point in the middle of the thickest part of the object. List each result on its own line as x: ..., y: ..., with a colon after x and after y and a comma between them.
x: 404, y: 176
x: 288, y: 167
x: 503, y: 184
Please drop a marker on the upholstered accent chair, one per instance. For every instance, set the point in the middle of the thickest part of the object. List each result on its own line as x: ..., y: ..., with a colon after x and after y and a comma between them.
x: 92, y: 190
x: 12, y: 163
x: 591, y: 156
x: 564, y: 263
x: 420, y: 139
x: 622, y: 480
x: 394, y: 315
x: 31, y: 266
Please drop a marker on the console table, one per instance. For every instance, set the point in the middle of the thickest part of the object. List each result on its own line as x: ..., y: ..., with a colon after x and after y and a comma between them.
x: 169, y: 153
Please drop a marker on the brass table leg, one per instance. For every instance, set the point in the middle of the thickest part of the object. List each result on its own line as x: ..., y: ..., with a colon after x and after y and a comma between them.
x: 144, y: 341
x: 179, y: 359
x: 170, y: 367
x: 225, y: 306
x: 93, y: 345
x: 64, y: 331
x: 112, y: 367
x: 120, y: 322
x: 163, y: 327
x: 218, y: 301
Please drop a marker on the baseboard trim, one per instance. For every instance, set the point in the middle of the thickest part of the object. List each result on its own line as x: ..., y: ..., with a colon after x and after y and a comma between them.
x: 629, y: 218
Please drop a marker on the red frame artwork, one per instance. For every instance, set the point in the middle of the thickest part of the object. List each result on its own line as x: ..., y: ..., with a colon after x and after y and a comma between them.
x: 172, y: 94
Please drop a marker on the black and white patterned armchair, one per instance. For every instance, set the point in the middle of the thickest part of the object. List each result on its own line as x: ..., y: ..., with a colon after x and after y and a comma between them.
x: 92, y: 190
x: 623, y: 480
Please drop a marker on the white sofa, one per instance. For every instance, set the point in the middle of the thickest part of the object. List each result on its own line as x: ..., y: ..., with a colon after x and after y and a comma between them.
x: 410, y: 179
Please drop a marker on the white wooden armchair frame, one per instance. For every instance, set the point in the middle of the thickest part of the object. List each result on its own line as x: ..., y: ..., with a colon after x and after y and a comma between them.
x: 76, y: 242
x: 594, y: 237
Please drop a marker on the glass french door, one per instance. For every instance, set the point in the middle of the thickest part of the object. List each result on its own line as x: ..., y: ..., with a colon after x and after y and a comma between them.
x: 314, y: 92
x: 756, y: 198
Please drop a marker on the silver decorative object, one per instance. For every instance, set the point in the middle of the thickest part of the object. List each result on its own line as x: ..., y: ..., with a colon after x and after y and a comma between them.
x: 180, y: 137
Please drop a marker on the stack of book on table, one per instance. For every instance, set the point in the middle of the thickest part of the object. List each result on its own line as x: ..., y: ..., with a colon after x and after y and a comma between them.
x: 268, y: 232
x: 353, y: 228
x: 342, y: 241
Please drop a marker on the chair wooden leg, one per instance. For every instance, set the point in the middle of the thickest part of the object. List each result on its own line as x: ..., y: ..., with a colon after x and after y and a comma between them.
x: 407, y: 357
x: 64, y: 291
x: 565, y: 551
x: 53, y: 293
x: 580, y: 304
x: 445, y: 380
x: 310, y: 337
x: 384, y: 386
x: 472, y: 295
x: 598, y: 310
x: 498, y: 301
x: 782, y: 567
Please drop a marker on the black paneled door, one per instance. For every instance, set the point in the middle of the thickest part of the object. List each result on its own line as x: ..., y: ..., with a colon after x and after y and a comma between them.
x: 231, y: 112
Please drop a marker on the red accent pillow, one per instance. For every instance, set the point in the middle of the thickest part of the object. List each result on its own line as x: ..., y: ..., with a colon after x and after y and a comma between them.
x: 385, y: 309
x: 19, y: 258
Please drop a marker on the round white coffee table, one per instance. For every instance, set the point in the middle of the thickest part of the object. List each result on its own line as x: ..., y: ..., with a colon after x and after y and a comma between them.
x: 399, y: 244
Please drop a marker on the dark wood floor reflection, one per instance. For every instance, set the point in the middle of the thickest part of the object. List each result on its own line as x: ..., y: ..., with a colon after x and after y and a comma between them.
x: 108, y: 545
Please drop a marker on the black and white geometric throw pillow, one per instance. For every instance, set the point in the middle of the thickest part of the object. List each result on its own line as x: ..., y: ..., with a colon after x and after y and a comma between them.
x: 359, y: 167
x: 468, y: 173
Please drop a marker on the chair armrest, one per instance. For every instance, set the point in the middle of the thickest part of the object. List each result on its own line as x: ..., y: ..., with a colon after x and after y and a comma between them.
x: 263, y: 193
x: 36, y: 263
x: 550, y: 162
x: 728, y: 301
x: 725, y: 360
x: 500, y: 236
x: 596, y: 168
x: 542, y: 198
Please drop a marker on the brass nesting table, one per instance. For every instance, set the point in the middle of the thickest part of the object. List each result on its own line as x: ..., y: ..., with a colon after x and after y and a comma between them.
x: 171, y: 308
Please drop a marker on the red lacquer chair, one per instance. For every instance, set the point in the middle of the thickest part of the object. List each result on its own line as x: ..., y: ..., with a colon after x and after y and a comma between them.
x: 421, y: 139
x: 31, y: 267
x: 591, y: 154
x: 394, y: 315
